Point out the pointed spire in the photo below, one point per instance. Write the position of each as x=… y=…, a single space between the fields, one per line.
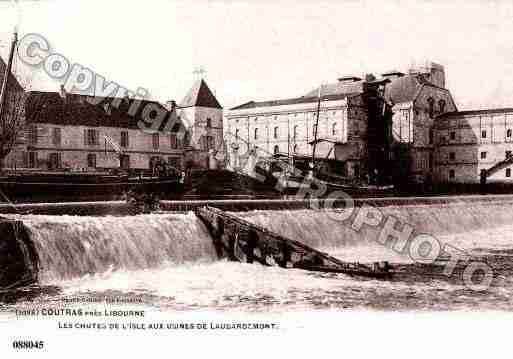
x=200 y=95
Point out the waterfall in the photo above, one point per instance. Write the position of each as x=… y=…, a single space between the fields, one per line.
x=450 y=220
x=74 y=246
x=71 y=246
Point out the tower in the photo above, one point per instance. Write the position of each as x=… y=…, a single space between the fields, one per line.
x=202 y=115
x=433 y=72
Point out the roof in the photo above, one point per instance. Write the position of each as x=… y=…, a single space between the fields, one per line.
x=400 y=89
x=291 y=101
x=200 y=95
x=75 y=109
x=338 y=88
x=476 y=112
x=407 y=88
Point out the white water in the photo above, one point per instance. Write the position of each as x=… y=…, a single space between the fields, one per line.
x=170 y=261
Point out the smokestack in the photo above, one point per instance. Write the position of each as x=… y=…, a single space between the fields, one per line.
x=391 y=75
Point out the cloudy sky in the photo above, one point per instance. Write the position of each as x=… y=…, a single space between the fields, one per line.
x=274 y=49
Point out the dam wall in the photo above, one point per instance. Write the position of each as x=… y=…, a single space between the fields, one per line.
x=101 y=208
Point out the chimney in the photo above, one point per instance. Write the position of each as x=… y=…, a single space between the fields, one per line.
x=392 y=75
x=349 y=79
x=432 y=72
x=370 y=78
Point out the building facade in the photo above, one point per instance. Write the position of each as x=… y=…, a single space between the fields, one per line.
x=66 y=131
x=469 y=142
x=288 y=127
x=415 y=98
x=362 y=138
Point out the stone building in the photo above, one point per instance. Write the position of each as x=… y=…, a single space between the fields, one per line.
x=415 y=98
x=202 y=116
x=355 y=135
x=288 y=127
x=65 y=131
x=468 y=142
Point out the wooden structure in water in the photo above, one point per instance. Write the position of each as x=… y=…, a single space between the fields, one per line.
x=242 y=241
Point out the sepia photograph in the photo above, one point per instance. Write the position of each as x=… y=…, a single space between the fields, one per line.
x=256 y=178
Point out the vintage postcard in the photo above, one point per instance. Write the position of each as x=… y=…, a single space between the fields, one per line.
x=256 y=178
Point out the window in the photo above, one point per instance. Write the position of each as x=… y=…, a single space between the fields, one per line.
x=91 y=137
x=452 y=156
x=276 y=132
x=54 y=161
x=33 y=135
x=508 y=154
x=124 y=139
x=334 y=129
x=508 y=172
x=91 y=160
x=483 y=134
x=276 y=149
x=441 y=105
x=56 y=136
x=453 y=135
x=296 y=148
x=295 y=132
x=155 y=141
x=154 y=160
x=431 y=107
x=508 y=133
x=32 y=162
x=209 y=123
x=209 y=142
x=451 y=174
x=174 y=162
x=237 y=134
x=431 y=135
x=173 y=141
x=125 y=161
x=483 y=155
x=256 y=134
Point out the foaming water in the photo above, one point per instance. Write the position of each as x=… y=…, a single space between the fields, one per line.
x=170 y=261
x=70 y=246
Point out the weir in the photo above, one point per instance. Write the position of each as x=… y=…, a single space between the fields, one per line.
x=100 y=208
x=242 y=241
x=53 y=248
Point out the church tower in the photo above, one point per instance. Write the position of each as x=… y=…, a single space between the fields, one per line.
x=202 y=115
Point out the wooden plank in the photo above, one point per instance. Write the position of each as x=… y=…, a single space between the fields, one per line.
x=244 y=241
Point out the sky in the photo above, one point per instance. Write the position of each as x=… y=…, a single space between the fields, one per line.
x=263 y=50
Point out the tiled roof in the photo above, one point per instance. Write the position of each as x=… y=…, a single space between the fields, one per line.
x=490 y=111
x=74 y=109
x=338 y=88
x=291 y=101
x=200 y=95
x=400 y=89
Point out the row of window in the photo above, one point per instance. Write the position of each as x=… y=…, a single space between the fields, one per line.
x=452 y=173
x=276 y=149
x=308 y=114
x=55 y=160
x=276 y=131
x=484 y=134
x=431 y=104
x=92 y=138
x=483 y=155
